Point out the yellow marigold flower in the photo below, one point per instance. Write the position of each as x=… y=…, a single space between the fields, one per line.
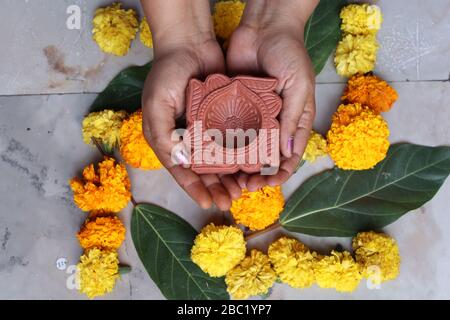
x=316 y=147
x=358 y=138
x=104 y=126
x=98 y=271
x=102 y=232
x=378 y=255
x=227 y=16
x=293 y=262
x=114 y=29
x=339 y=271
x=218 y=249
x=361 y=19
x=104 y=190
x=133 y=146
x=253 y=276
x=258 y=209
x=146 y=35
x=370 y=91
x=356 y=54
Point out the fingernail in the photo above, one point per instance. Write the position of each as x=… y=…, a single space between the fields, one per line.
x=182 y=159
x=290 y=144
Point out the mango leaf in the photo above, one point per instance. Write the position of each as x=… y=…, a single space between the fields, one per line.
x=124 y=92
x=163 y=242
x=322 y=32
x=341 y=203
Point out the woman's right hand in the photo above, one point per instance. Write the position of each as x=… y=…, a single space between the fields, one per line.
x=183 y=49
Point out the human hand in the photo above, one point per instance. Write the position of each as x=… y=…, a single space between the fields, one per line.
x=269 y=41
x=183 y=49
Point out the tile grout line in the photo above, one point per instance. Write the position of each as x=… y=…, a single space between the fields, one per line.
x=96 y=93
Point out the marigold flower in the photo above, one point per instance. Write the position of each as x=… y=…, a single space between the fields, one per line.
x=370 y=91
x=258 y=209
x=356 y=54
x=358 y=137
x=104 y=126
x=227 y=16
x=253 y=276
x=114 y=29
x=146 y=35
x=361 y=19
x=316 y=147
x=218 y=249
x=133 y=146
x=339 y=271
x=378 y=256
x=98 y=271
x=102 y=232
x=293 y=262
x=104 y=190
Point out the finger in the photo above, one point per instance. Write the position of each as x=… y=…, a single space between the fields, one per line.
x=289 y=165
x=241 y=179
x=296 y=96
x=218 y=193
x=193 y=185
x=304 y=129
x=233 y=188
x=287 y=168
x=256 y=182
x=158 y=128
x=293 y=106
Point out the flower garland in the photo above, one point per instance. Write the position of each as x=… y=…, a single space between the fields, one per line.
x=357 y=51
x=220 y=250
x=358 y=137
x=104 y=190
x=357 y=140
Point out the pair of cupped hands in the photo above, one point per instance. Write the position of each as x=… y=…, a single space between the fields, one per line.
x=264 y=44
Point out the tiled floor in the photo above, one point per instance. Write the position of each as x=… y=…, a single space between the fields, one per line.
x=41 y=148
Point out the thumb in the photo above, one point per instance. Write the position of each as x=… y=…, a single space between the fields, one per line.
x=296 y=116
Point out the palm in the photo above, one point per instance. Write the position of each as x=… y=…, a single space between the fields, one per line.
x=164 y=101
x=280 y=55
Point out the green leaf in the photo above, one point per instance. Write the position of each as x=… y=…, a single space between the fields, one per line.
x=342 y=203
x=124 y=92
x=322 y=32
x=163 y=242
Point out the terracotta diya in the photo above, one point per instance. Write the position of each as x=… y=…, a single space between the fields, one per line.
x=225 y=104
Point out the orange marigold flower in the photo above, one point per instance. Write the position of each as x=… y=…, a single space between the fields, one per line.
x=370 y=91
x=258 y=210
x=358 y=137
x=102 y=232
x=106 y=189
x=133 y=146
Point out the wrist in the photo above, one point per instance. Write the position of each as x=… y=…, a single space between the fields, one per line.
x=278 y=15
x=171 y=39
x=178 y=23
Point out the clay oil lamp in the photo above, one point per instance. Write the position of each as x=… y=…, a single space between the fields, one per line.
x=225 y=104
